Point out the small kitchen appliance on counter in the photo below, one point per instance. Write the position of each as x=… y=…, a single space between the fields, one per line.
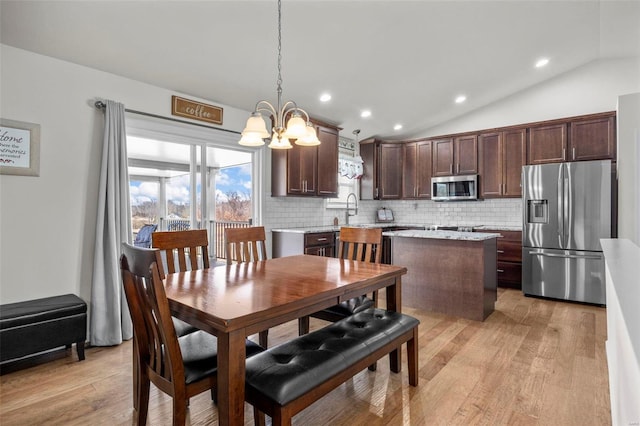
x=384 y=215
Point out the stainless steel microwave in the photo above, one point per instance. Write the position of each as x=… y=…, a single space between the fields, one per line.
x=454 y=188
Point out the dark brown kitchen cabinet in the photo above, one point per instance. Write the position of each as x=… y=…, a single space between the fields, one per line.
x=382 y=170
x=307 y=170
x=416 y=179
x=327 y=161
x=442 y=157
x=466 y=155
x=582 y=138
x=593 y=139
x=508 y=258
x=501 y=157
x=455 y=156
x=291 y=243
x=320 y=244
x=547 y=144
x=302 y=172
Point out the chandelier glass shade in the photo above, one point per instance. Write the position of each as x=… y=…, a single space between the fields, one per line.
x=298 y=125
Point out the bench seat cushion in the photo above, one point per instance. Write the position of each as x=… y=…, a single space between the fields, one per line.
x=38 y=310
x=286 y=372
x=33 y=326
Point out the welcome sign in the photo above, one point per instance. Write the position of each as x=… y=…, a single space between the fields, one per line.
x=19 y=148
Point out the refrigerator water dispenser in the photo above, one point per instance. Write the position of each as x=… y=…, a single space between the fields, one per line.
x=538 y=211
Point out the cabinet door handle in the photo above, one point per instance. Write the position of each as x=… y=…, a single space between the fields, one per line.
x=564 y=153
x=322 y=239
x=573 y=152
x=500 y=270
x=499 y=251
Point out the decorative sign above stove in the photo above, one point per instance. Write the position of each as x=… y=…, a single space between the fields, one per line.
x=196 y=110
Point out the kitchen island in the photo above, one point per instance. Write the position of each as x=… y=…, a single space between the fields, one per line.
x=450 y=272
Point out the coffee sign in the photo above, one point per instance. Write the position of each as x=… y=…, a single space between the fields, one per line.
x=196 y=110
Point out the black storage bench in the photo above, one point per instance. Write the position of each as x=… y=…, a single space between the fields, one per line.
x=285 y=379
x=33 y=326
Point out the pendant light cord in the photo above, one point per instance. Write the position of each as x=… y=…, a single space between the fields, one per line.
x=279 y=82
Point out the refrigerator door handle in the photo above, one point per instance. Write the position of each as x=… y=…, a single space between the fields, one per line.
x=561 y=205
x=568 y=256
x=567 y=210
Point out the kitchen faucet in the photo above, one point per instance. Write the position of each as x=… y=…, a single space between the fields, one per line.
x=355 y=202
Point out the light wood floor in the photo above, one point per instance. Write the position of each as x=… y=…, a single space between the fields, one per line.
x=532 y=362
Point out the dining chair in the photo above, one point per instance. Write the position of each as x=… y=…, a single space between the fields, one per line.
x=186 y=247
x=189 y=247
x=247 y=245
x=363 y=244
x=179 y=366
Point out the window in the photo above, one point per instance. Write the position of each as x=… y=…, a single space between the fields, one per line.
x=188 y=177
x=347 y=156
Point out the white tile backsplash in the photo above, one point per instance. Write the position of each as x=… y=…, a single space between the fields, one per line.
x=295 y=212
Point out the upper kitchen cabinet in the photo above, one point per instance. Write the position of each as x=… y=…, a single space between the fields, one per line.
x=582 y=138
x=593 y=138
x=502 y=155
x=547 y=143
x=382 y=170
x=455 y=156
x=416 y=179
x=307 y=170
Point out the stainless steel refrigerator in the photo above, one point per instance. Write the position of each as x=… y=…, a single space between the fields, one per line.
x=567 y=209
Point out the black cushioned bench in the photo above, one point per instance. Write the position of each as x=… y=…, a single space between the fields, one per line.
x=285 y=379
x=33 y=326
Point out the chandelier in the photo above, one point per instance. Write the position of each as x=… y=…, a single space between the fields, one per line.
x=297 y=127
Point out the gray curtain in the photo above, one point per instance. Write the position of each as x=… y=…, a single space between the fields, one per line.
x=110 y=322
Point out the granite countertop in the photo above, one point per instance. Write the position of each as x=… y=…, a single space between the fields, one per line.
x=442 y=235
x=336 y=228
x=500 y=228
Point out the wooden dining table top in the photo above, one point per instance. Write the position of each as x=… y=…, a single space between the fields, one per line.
x=236 y=296
x=239 y=300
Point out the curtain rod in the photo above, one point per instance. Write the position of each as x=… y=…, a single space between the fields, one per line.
x=101 y=105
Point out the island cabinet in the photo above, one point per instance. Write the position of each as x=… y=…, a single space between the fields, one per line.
x=307 y=170
x=582 y=138
x=455 y=156
x=501 y=157
x=508 y=258
x=453 y=275
x=416 y=177
x=382 y=170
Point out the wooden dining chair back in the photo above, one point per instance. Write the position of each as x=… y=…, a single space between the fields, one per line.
x=189 y=248
x=245 y=244
x=362 y=244
x=159 y=356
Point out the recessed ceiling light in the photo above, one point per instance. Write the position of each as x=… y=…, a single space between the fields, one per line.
x=397 y=127
x=460 y=99
x=366 y=113
x=542 y=62
x=325 y=97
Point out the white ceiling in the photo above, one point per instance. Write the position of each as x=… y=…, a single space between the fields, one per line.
x=406 y=61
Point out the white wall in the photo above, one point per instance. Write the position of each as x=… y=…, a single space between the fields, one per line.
x=629 y=167
x=47 y=223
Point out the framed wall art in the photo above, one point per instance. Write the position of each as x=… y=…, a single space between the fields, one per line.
x=19 y=148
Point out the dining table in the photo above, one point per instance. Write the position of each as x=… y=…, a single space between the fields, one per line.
x=235 y=301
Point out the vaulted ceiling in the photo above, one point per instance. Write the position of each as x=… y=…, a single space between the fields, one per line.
x=405 y=61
